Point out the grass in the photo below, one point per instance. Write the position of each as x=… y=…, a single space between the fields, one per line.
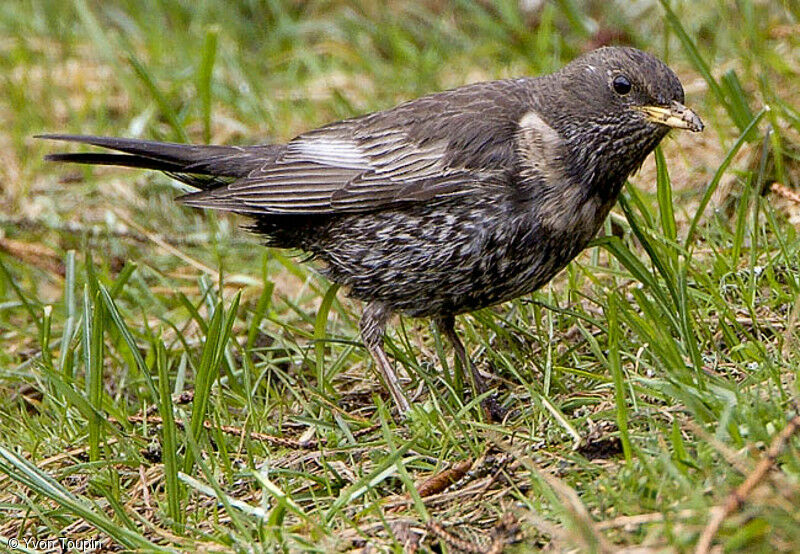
x=647 y=382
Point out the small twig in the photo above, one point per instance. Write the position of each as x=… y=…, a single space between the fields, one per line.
x=436 y=529
x=576 y=510
x=255 y=435
x=454 y=482
x=790 y=342
x=739 y=496
x=166 y=247
x=145 y=489
x=496 y=467
x=34 y=254
x=731 y=456
x=504 y=533
x=406 y=536
x=59 y=457
x=439 y=482
x=785 y=192
x=626 y=522
x=101 y=229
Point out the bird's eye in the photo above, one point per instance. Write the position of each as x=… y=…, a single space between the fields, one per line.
x=622 y=85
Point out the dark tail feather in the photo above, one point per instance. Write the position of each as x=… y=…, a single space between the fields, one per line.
x=163 y=151
x=200 y=166
x=124 y=160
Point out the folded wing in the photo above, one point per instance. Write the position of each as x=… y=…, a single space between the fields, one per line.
x=445 y=144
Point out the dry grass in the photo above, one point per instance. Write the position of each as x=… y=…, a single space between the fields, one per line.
x=294 y=459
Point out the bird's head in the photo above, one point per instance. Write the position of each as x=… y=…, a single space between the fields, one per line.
x=613 y=106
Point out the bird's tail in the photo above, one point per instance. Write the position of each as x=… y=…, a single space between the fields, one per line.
x=201 y=166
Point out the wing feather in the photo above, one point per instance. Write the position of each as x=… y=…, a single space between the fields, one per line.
x=442 y=145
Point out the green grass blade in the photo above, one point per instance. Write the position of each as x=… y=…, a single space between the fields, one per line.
x=163 y=104
x=219 y=332
x=204 y=77
x=169 y=439
x=622 y=253
x=696 y=58
x=127 y=336
x=739 y=108
x=94 y=375
x=44 y=336
x=320 y=333
x=70 y=313
x=660 y=257
x=382 y=470
x=206 y=370
x=261 y=309
x=664 y=193
x=122 y=278
x=29 y=307
x=615 y=365
x=27 y=474
x=712 y=186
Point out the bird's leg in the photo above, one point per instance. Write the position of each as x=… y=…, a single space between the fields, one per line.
x=373 y=327
x=447 y=327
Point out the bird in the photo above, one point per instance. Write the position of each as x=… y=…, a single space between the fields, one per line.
x=444 y=204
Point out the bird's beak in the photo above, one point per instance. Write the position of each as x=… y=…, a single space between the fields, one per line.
x=676 y=115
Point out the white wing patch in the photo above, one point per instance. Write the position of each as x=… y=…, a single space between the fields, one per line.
x=327 y=171
x=562 y=207
x=327 y=151
x=532 y=120
x=537 y=144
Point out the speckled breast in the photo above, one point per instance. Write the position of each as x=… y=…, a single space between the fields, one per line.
x=449 y=257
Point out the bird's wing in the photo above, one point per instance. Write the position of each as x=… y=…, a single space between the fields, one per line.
x=442 y=145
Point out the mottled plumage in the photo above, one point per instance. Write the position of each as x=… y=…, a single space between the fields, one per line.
x=448 y=203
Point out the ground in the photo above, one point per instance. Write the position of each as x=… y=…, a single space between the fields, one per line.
x=166 y=383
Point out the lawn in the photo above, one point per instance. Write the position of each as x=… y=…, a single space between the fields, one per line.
x=168 y=384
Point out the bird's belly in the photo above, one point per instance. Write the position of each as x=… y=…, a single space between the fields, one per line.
x=442 y=259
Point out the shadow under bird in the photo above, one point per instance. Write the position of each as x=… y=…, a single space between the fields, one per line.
x=445 y=204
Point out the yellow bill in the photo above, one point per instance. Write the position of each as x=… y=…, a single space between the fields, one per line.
x=676 y=116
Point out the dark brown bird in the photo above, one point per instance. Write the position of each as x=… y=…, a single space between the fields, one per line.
x=445 y=204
